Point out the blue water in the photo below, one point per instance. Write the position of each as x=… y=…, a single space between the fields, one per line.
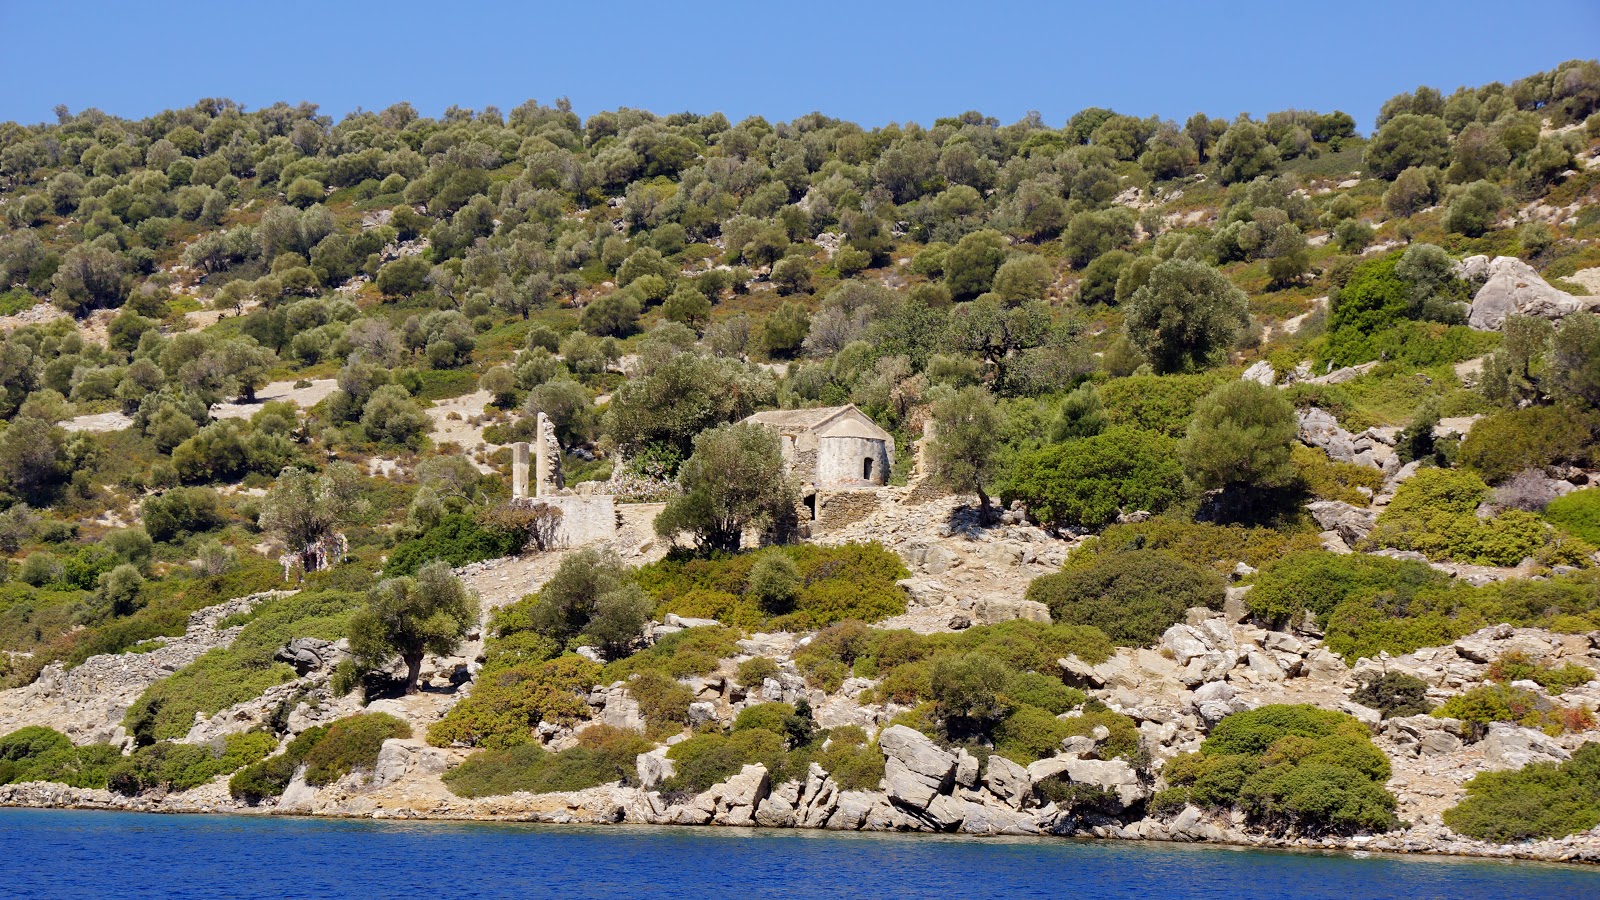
x=50 y=853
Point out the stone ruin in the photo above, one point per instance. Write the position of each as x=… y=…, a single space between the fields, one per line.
x=585 y=518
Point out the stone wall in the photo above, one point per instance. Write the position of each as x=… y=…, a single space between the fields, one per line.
x=839 y=461
x=836 y=509
x=584 y=519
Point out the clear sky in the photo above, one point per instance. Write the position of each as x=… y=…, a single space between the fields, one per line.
x=871 y=62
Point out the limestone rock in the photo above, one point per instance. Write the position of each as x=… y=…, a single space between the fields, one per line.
x=654 y=767
x=1511 y=747
x=1007 y=781
x=1351 y=523
x=1261 y=373
x=1513 y=288
x=915 y=769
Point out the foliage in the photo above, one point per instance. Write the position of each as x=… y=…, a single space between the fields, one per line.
x=1132 y=596
x=1485 y=704
x=1289 y=768
x=1087 y=482
x=590 y=597
x=1507 y=442
x=1577 y=513
x=506 y=703
x=37 y=753
x=223 y=677
x=1435 y=513
x=457 y=540
x=410 y=617
x=963 y=454
x=1185 y=316
x=849 y=581
x=1394 y=694
x=736 y=478
x=1240 y=438
x=171 y=766
x=271 y=776
x=1542 y=800
x=603 y=754
x=351 y=745
x=1515 y=665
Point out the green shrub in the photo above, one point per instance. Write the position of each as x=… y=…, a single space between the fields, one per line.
x=770 y=716
x=458 y=540
x=851 y=581
x=1133 y=597
x=269 y=777
x=1516 y=665
x=1503 y=444
x=1327 y=479
x=37 y=753
x=1394 y=694
x=1028 y=734
x=1159 y=403
x=1202 y=544
x=1287 y=768
x=693 y=651
x=1124 y=740
x=1578 y=513
x=855 y=763
x=603 y=754
x=169 y=766
x=706 y=759
x=1540 y=801
x=1087 y=482
x=351 y=744
x=1320 y=581
x=1489 y=703
x=663 y=701
x=1435 y=514
x=774 y=582
x=753 y=672
x=506 y=704
x=1044 y=691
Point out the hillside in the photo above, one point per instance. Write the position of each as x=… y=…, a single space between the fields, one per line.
x=1203 y=481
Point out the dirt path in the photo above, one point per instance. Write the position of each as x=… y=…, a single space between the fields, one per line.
x=303 y=397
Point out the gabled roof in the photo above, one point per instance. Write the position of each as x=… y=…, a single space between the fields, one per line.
x=844 y=420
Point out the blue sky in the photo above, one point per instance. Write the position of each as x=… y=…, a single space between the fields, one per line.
x=865 y=61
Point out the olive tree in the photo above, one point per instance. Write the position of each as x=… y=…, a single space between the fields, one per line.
x=411 y=617
x=965 y=453
x=1240 y=435
x=735 y=479
x=1185 y=316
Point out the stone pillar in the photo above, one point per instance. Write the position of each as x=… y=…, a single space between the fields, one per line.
x=547 y=459
x=519 y=470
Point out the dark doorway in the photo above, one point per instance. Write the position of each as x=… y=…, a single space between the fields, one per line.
x=866 y=469
x=811 y=506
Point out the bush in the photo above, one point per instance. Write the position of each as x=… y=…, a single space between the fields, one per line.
x=1133 y=597
x=1204 y=544
x=855 y=763
x=1160 y=403
x=506 y=704
x=269 y=777
x=755 y=671
x=37 y=753
x=351 y=745
x=1288 y=768
x=1540 y=801
x=179 y=512
x=1435 y=513
x=458 y=540
x=1028 y=734
x=850 y=581
x=663 y=701
x=1505 y=443
x=1489 y=703
x=1515 y=665
x=1087 y=482
x=706 y=759
x=774 y=582
x=1578 y=513
x=603 y=754
x=1320 y=581
x=1394 y=694
x=225 y=676
x=178 y=767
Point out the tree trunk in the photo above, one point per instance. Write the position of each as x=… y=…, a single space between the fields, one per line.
x=413 y=672
x=985 y=506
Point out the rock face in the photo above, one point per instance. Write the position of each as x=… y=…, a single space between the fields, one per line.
x=1513 y=288
x=1373 y=447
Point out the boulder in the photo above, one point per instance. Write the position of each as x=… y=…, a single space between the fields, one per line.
x=1007 y=781
x=734 y=801
x=654 y=767
x=1351 y=523
x=1511 y=747
x=1318 y=428
x=915 y=769
x=981 y=818
x=1262 y=373
x=852 y=809
x=308 y=654
x=1113 y=775
x=1513 y=288
x=1424 y=735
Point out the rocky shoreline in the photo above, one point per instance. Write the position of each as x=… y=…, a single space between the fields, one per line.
x=623 y=806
